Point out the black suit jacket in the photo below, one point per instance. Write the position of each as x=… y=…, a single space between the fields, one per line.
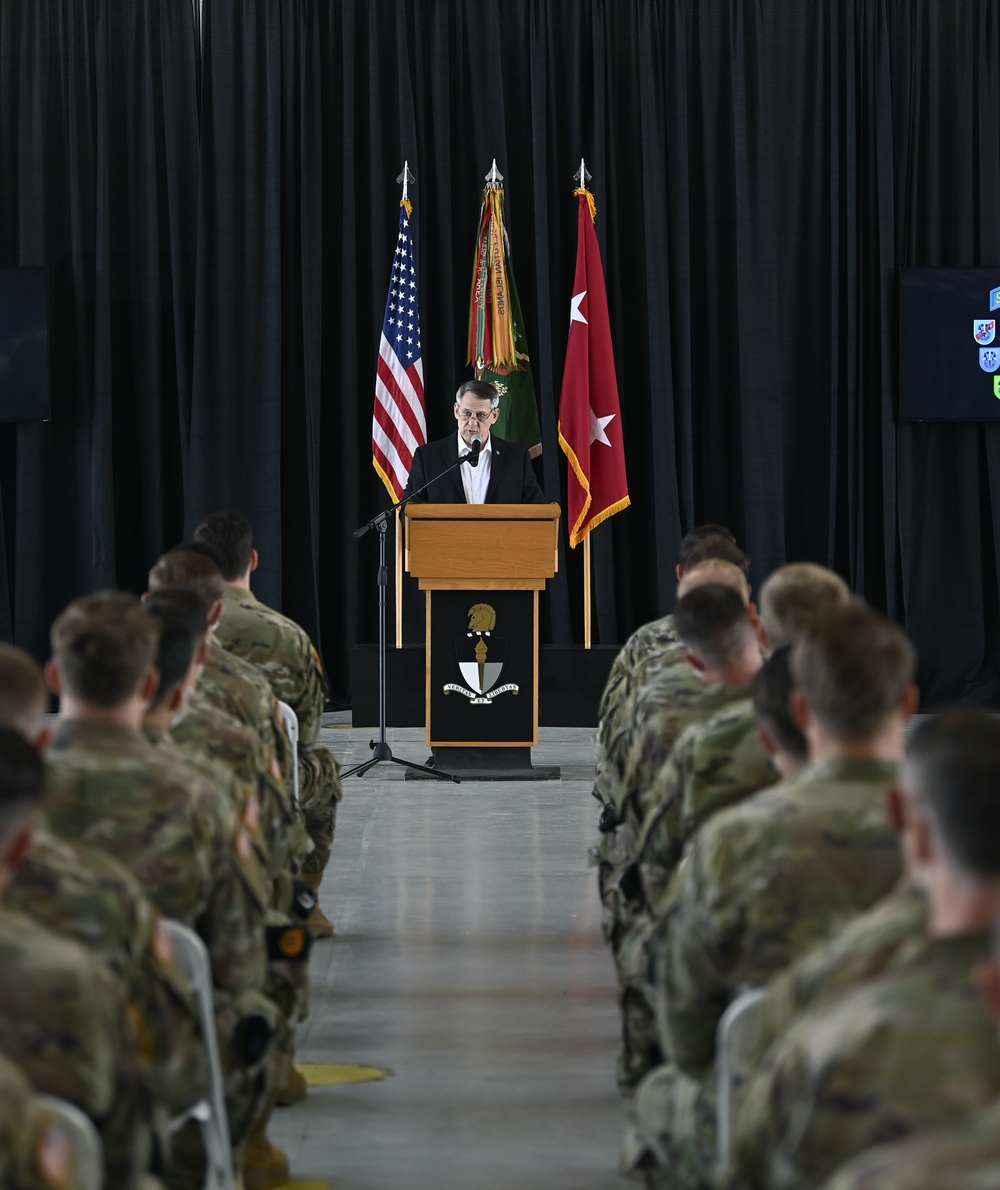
x=512 y=480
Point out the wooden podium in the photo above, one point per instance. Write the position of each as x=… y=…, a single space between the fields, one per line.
x=482 y=566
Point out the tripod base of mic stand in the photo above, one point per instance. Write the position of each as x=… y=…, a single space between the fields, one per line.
x=484 y=763
x=382 y=753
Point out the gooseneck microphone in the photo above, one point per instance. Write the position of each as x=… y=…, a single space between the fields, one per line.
x=474 y=449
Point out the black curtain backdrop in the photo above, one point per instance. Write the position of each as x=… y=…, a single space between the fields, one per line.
x=219 y=218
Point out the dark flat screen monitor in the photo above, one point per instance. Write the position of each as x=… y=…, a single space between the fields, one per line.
x=24 y=345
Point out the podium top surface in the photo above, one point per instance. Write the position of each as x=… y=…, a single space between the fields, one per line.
x=516 y=548
x=482 y=512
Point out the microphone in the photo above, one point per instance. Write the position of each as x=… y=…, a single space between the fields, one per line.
x=474 y=449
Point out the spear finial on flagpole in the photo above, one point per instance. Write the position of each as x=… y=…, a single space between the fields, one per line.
x=494 y=177
x=406 y=177
x=582 y=176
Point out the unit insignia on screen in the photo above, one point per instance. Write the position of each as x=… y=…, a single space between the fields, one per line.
x=985 y=330
x=480 y=656
x=989 y=359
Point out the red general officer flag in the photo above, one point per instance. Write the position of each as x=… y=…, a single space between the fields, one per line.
x=590 y=424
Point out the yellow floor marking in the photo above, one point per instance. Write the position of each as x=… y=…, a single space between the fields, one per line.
x=304 y=1186
x=322 y=1074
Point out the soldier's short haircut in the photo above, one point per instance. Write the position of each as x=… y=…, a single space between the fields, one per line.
x=697 y=535
x=23 y=696
x=853 y=668
x=953 y=761
x=188 y=570
x=714 y=570
x=22 y=780
x=712 y=623
x=230 y=537
x=102 y=645
x=482 y=390
x=771 y=690
x=795 y=597
x=183 y=625
x=716 y=546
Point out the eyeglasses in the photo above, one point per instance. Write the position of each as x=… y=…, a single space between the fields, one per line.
x=482 y=418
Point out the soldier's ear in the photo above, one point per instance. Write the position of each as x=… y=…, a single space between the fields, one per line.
x=215 y=615
x=52 y=677
x=766 y=742
x=148 y=684
x=254 y=559
x=798 y=708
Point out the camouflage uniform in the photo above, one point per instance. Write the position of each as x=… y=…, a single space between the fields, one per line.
x=911 y=1049
x=241 y=690
x=283 y=652
x=760 y=883
x=714 y=764
x=108 y=786
x=208 y=732
x=661 y=710
x=650 y=647
x=83 y=893
x=864 y=948
x=963 y=1157
x=287 y=982
x=33 y=1154
x=63 y=1021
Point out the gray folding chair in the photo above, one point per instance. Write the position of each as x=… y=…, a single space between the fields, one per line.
x=84 y=1140
x=736 y=1033
x=211 y=1112
x=291 y=722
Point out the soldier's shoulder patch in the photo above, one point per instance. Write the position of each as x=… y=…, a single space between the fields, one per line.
x=243 y=845
x=54 y=1155
x=251 y=811
x=162 y=944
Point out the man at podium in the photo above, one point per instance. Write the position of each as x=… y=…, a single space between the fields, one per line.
x=499 y=473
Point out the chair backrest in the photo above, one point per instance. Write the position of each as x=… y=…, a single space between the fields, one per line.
x=291 y=722
x=210 y=1113
x=734 y=1037
x=84 y=1140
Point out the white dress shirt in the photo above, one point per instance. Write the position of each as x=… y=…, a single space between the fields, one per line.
x=476 y=479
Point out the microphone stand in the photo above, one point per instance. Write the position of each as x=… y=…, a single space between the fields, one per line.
x=380 y=747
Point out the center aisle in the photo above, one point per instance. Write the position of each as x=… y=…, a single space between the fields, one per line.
x=468 y=962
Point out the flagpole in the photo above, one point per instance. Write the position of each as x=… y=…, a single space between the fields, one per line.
x=582 y=177
x=586 y=592
x=406 y=178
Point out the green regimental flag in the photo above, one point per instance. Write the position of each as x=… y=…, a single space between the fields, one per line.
x=518 y=420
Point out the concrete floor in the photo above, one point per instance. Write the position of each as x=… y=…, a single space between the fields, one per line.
x=468 y=961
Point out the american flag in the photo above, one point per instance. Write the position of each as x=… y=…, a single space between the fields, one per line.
x=398 y=424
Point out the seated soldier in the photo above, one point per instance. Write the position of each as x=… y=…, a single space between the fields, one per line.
x=724 y=763
x=286 y=656
x=963 y=1156
x=226 y=681
x=652 y=648
x=172 y=830
x=658 y=636
x=675 y=696
x=229 y=719
x=913 y=1047
x=63 y=1017
x=183 y=626
x=716 y=762
x=764 y=879
x=83 y=893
